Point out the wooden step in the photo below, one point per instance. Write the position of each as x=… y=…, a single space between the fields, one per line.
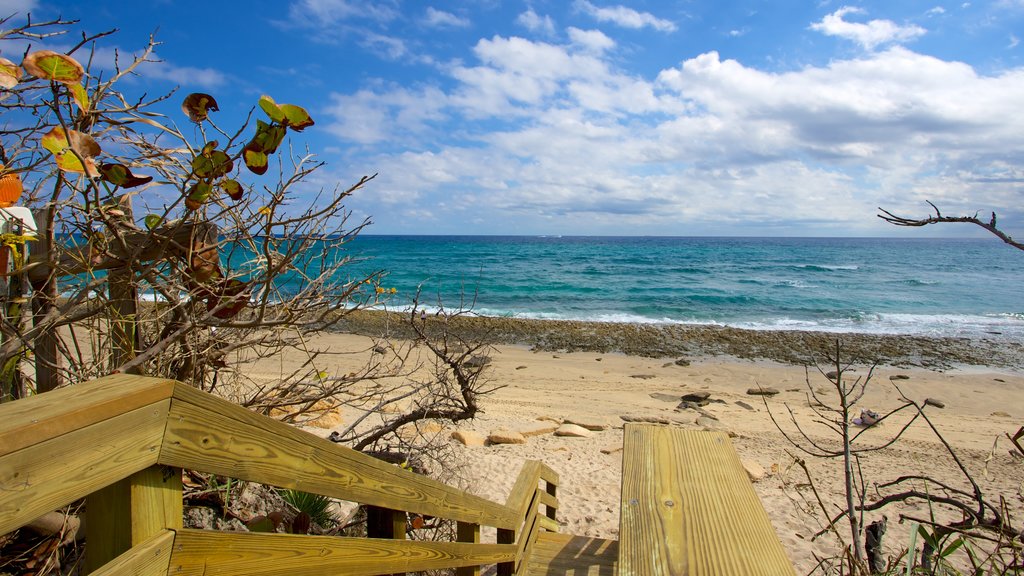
x=562 y=554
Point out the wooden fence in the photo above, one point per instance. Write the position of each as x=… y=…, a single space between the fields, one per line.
x=121 y=441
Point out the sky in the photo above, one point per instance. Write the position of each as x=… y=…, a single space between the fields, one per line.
x=608 y=117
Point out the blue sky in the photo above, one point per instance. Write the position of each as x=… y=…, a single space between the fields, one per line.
x=610 y=117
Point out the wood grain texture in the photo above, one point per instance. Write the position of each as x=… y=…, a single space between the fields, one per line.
x=156 y=501
x=528 y=535
x=208 y=553
x=108 y=529
x=210 y=434
x=44 y=416
x=150 y=558
x=565 y=554
x=56 y=472
x=520 y=498
x=688 y=508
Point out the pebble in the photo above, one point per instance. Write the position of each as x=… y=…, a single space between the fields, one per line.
x=754 y=470
x=468 y=438
x=503 y=436
x=933 y=402
x=762 y=391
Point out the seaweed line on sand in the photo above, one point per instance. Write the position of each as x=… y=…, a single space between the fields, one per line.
x=694 y=341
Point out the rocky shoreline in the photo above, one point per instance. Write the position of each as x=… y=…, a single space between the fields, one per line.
x=694 y=342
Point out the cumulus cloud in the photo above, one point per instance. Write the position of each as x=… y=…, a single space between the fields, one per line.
x=539 y=129
x=869 y=34
x=440 y=19
x=625 y=17
x=591 y=40
x=536 y=23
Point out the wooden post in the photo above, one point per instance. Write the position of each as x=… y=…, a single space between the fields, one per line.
x=12 y=381
x=44 y=299
x=385 y=523
x=506 y=537
x=128 y=512
x=466 y=532
x=124 y=305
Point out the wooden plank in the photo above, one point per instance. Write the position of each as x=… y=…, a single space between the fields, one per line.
x=549 y=501
x=108 y=524
x=689 y=508
x=44 y=300
x=521 y=497
x=528 y=534
x=210 y=434
x=156 y=501
x=548 y=524
x=58 y=471
x=506 y=537
x=561 y=554
x=46 y=416
x=465 y=532
x=549 y=475
x=208 y=553
x=150 y=558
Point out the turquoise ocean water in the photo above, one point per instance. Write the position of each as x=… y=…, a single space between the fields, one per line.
x=937 y=287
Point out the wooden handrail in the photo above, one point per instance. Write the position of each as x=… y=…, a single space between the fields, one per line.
x=119 y=437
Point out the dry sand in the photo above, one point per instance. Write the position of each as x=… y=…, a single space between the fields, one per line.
x=981 y=405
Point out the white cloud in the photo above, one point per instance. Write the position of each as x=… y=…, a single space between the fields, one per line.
x=536 y=23
x=394 y=113
x=556 y=132
x=1014 y=41
x=440 y=19
x=320 y=13
x=591 y=40
x=385 y=47
x=869 y=35
x=187 y=76
x=625 y=17
x=936 y=11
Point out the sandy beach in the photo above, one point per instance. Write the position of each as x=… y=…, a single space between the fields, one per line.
x=542 y=385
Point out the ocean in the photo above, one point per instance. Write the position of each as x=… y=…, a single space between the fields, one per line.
x=932 y=287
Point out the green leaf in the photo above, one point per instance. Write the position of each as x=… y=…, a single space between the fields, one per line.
x=232 y=188
x=268 y=137
x=198 y=194
x=296 y=117
x=952 y=547
x=272 y=109
x=197 y=106
x=153 y=220
x=49 y=65
x=212 y=165
x=120 y=175
x=79 y=94
x=255 y=160
x=10 y=73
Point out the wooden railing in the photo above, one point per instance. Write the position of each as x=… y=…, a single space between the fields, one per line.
x=121 y=442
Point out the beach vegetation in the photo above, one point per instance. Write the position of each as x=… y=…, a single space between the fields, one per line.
x=169 y=243
x=963 y=530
